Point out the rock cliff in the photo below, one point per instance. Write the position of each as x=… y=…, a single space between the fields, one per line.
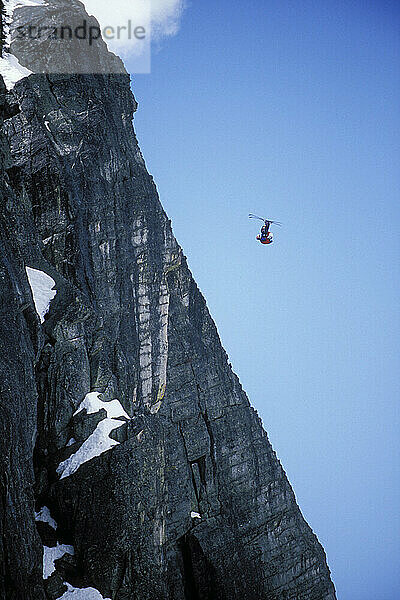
x=122 y=424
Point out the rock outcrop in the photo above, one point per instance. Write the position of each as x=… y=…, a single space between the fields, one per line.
x=122 y=423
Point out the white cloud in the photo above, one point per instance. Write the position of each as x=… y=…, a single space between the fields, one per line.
x=166 y=17
x=160 y=18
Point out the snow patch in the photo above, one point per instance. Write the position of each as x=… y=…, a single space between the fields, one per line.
x=195 y=515
x=52 y=554
x=19 y=3
x=82 y=594
x=97 y=443
x=10 y=67
x=93 y=404
x=12 y=70
x=45 y=517
x=42 y=290
x=71 y=442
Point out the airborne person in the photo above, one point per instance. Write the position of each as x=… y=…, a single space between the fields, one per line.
x=265 y=237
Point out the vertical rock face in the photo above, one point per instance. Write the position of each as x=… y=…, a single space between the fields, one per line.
x=20 y=547
x=153 y=464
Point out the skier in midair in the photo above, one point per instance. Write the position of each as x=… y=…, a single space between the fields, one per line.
x=265 y=236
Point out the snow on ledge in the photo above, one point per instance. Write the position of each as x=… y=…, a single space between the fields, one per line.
x=195 y=515
x=99 y=441
x=93 y=404
x=10 y=67
x=12 y=70
x=82 y=594
x=45 y=517
x=42 y=290
x=52 y=554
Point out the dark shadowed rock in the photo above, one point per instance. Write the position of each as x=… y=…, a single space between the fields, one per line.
x=20 y=548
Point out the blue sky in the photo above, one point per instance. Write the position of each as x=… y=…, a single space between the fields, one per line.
x=289 y=110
